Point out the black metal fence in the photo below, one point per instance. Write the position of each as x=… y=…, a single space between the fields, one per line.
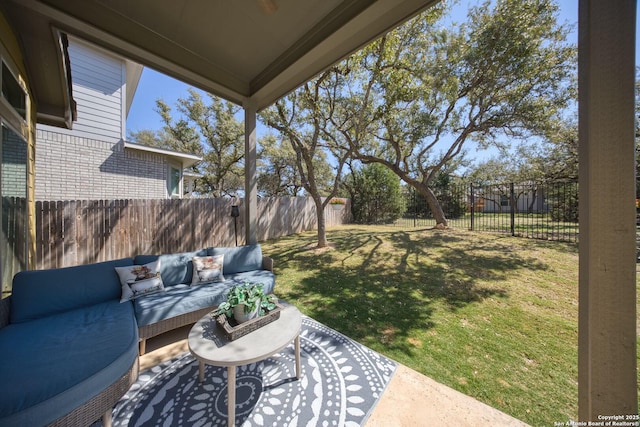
x=546 y=211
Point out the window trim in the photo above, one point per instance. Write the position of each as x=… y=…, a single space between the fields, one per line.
x=8 y=114
x=170 y=167
x=25 y=248
x=3 y=65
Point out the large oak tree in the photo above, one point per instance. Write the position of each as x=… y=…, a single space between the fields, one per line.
x=298 y=119
x=415 y=99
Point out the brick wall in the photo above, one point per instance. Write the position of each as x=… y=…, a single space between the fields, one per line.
x=72 y=168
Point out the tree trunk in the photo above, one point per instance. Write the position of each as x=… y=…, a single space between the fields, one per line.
x=322 y=229
x=533 y=200
x=434 y=205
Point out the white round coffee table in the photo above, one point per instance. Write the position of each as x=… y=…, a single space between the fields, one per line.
x=208 y=344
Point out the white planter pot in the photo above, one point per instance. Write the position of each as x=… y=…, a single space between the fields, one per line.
x=241 y=316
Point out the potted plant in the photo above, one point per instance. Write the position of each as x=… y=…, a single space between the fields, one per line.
x=337 y=204
x=246 y=302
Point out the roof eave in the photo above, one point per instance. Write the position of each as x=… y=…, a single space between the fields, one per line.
x=47 y=65
x=310 y=57
x=184 y=159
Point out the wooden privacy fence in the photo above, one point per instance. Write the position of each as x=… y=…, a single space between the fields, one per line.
x=83 y=231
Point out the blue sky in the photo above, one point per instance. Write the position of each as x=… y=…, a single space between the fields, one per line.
x=154 y=85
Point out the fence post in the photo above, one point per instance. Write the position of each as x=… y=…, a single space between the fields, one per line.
x=415 y=208
x=512 y=208
x=473 y=206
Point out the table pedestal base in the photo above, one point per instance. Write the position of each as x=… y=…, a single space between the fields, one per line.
x=231 y=382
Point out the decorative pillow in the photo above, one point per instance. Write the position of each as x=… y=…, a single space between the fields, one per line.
x=207 y=269
x=140 y=280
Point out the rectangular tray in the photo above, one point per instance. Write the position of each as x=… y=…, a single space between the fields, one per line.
x=232 y=330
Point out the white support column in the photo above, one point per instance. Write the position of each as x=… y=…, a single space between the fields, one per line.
x=250 y=183
x=607 y=309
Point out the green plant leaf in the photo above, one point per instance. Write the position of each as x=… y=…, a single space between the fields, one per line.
x=251 y=295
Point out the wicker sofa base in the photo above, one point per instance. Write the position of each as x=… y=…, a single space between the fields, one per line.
x=5 y=309
x=102 y=404
x=150 y=331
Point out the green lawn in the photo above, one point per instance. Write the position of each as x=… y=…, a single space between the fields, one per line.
x=539 y=226
x=492 y=316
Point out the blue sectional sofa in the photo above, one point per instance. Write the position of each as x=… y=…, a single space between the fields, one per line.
x=183 y=304
x=69 y=345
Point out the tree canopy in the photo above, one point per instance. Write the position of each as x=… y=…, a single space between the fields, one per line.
x=206 y=129
x=278 y=173
x=417 y=97
x=376 y=194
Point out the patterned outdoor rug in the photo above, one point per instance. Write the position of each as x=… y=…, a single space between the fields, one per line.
x=341 y=383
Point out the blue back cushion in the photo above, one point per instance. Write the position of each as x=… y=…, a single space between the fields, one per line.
x=174 y=268
x=239 y=259
x=40 y=293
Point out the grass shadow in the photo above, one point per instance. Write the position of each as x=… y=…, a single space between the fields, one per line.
x=379 y=286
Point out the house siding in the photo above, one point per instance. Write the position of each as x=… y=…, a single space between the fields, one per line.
x=90 y=161
x=70 y=167
x=98 y=89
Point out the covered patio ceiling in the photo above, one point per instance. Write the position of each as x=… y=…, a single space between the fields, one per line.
x=241 y=50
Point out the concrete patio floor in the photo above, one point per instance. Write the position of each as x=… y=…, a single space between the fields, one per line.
x=411 y=399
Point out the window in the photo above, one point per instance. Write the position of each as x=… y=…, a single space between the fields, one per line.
x=174 y=181
x=504 y=200
x=13 y=184
x=13 y=92
x=14 y=222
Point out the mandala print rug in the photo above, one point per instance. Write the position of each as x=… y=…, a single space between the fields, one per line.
x=341 y=383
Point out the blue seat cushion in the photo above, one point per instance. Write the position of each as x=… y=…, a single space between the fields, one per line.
x=265 y=277
x=182 y=298
x=39 y=293
x=51 y=366
x=174 y=268
x=239 y=259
